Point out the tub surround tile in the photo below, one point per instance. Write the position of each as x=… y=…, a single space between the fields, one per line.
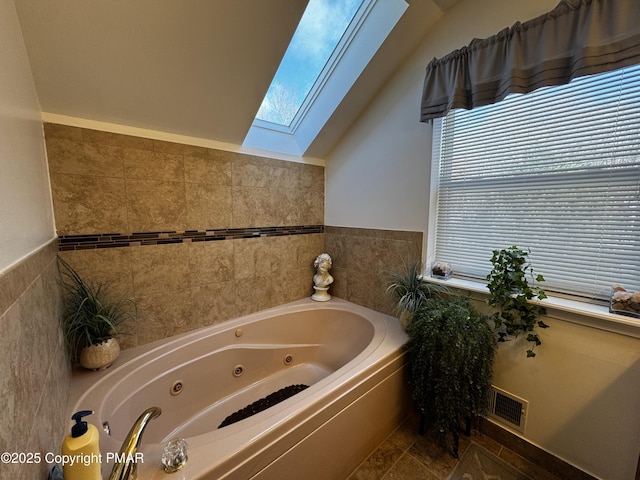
x=206 y=281
x=155 y=205
x=365 y=257
x=361 y=288
x=111 y=266
x=14 y=419
x=185 y=221
x=306 y=254
x=251 y=259
x=312 y=179
x=299 y=285
x=182 y=195
x=250 y=171
x=211 y=262
x=39 y=330
x=53 y=404
x=340 y=285
x=160 y=269
x=208 y=204
x=85 y=204
x=53 y=130
x=215 y=302
x=290 y=253
x=376 y=255
x=338 y=244
x=76 y=158
x=165 y=185
x=254 y=294
x=285 y=207
x=36 y=375
x=284 y=175
x=312 y=207
x=165 y=315
x=215 y=169
x=251 y=206
x=149 y=165
x=129 y=331
x=18 y=278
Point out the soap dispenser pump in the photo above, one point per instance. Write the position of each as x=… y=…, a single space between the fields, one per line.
x=81 y=450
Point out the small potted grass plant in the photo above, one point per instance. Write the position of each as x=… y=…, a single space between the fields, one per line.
x=91 y=320
x=410 y=291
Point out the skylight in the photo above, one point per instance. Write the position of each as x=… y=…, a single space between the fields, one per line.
x=334 y=42
x=322 y=26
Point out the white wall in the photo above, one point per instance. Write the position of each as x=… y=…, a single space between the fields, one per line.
x=583 y=389
x=584 y=386
x=26 y=213
x=379 y=169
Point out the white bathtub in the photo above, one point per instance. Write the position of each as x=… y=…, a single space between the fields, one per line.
x=351 y=358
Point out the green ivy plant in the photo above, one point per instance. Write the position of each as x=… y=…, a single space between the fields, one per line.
x=512 y=295
x=450 y=362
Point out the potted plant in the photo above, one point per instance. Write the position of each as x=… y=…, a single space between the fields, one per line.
x=409 y=291
x=450 y=363
x=91 y=320
x=513 y=296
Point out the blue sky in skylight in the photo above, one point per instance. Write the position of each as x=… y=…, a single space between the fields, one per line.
x=320 y=29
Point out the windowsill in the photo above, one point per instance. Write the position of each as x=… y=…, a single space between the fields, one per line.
x=574 y=311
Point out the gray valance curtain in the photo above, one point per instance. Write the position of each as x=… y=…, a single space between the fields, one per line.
x=578 y=37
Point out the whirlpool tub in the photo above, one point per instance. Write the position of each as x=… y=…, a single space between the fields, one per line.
x=348 y=358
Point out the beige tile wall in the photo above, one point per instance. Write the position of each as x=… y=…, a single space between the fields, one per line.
x=104 y=182
x=362 y=260
x=110 y=183
x=181 y=287
x=35 y=374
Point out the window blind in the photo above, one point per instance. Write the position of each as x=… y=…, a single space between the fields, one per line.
x=556 y=171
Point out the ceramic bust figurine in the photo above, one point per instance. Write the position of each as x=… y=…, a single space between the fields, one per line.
x=322 y=279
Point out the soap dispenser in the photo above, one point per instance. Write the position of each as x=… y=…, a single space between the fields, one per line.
x=81 y=450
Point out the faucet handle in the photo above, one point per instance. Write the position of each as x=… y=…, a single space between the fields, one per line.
x=174 y=455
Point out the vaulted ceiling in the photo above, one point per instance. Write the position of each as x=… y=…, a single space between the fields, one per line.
x=198 y=68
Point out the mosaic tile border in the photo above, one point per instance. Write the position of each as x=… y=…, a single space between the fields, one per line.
x=118 y=240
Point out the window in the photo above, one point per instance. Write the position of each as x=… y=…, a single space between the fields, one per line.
x=556 y=171
x=303 y=110
x=323 y=24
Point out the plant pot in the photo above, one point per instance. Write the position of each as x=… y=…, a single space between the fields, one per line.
x=101 y=355
x=405 y=318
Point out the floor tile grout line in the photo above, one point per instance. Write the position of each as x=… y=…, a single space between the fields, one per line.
x=394 y=464
x=405 y=451
x=427 y=467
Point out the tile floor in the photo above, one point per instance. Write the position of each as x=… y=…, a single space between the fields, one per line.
x=405 y=455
